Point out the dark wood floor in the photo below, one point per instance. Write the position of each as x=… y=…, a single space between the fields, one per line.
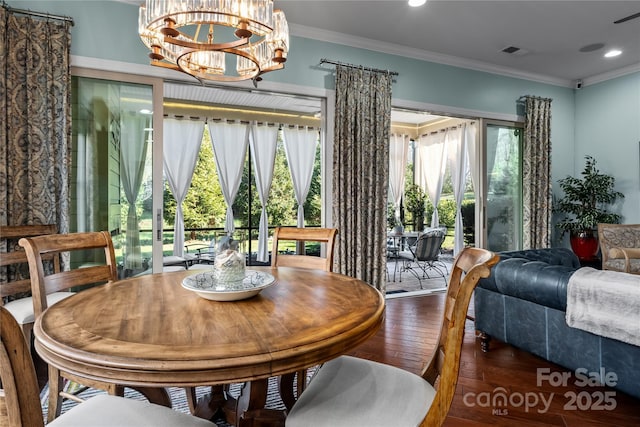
x=408 y=338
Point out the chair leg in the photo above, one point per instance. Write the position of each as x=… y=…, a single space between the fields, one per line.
x=430 y=266
x=26 y=331
x=285 y=386
x=408 y=267
x=192 y=400
x=157 y=395
x=55 y=388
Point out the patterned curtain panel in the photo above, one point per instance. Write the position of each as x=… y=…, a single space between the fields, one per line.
x=35 y=130
x=536 y=173
x=361 y=173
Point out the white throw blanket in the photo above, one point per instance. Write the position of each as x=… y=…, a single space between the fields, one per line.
x=605 y=303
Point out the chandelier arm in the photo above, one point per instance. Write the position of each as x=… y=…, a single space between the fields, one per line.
x=205 y=46
x=225 y=78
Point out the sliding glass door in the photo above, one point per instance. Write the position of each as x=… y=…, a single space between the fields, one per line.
x=112 y=168
x=503 y=185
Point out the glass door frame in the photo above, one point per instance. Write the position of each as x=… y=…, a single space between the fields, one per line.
x=482 y=193
x=157 y=85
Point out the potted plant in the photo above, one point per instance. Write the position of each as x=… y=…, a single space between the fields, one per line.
x=393 y=223
x=415 y=200
x=585 y=204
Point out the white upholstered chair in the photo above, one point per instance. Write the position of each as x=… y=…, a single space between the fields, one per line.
x=20 y=400
x=325 y=236
x=301 y=235
x=17 y=286
x=97 y=246
x=349 y=391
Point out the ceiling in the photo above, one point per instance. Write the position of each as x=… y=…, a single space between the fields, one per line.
x=469 y=34
x=472 y=34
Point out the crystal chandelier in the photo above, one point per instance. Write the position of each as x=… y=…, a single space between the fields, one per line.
x=180 y=35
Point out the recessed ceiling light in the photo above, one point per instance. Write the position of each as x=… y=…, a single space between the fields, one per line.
x=416 y=3
x=612 y=53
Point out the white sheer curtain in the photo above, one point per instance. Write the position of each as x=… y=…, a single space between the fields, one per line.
x=431 y=156
x=398 y=152
x=470 y=133
x=133 y=152
x=263 y=140
x=229 y=141
x=300 y=146
x=457 y=154
x=182 y=139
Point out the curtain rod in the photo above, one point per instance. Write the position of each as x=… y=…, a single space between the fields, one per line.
x=377 y=70
x=38 y=14
x=523 y=97
x=221 y=119
x=446 y=129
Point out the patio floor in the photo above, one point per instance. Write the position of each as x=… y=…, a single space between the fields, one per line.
x=407 y=284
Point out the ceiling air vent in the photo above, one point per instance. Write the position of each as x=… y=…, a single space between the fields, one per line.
x=514 y=50
x=510 y=49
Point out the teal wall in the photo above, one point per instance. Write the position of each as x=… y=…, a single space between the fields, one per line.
x=580 y=125
x=608 y=128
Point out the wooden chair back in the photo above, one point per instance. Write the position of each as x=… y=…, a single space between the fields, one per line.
x=470 y=266
x=320 y=235
x=39 y=247
x=19 y=396
x=15 y=259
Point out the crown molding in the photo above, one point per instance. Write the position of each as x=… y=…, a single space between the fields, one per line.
x=456 y=112
x=635 y=68
x=394 y=49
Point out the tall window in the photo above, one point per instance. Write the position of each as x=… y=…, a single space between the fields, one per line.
x=204 y=207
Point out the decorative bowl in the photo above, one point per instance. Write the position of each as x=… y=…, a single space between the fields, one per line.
x=206 y=285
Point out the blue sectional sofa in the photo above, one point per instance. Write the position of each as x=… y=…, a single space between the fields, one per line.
x=523 y=303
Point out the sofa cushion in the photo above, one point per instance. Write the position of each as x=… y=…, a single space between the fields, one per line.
x=534 y=281
x=551 y=256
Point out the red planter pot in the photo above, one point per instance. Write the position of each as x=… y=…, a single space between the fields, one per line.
x=584 y=244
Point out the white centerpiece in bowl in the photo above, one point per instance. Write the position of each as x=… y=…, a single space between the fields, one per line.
x=229 y=267
x=228 y=280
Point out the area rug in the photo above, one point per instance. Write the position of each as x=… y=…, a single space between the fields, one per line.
x=178 y=398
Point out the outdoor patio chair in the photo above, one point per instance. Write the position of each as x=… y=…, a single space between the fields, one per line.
x=422 y=260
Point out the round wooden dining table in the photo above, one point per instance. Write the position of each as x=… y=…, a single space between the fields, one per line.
x=149 y=331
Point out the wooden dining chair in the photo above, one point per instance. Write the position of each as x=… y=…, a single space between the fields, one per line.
x=349 y=391
x=20 y=399
x=98 y=247
x=301 y=235
x=15 y=286
x=325 y=236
